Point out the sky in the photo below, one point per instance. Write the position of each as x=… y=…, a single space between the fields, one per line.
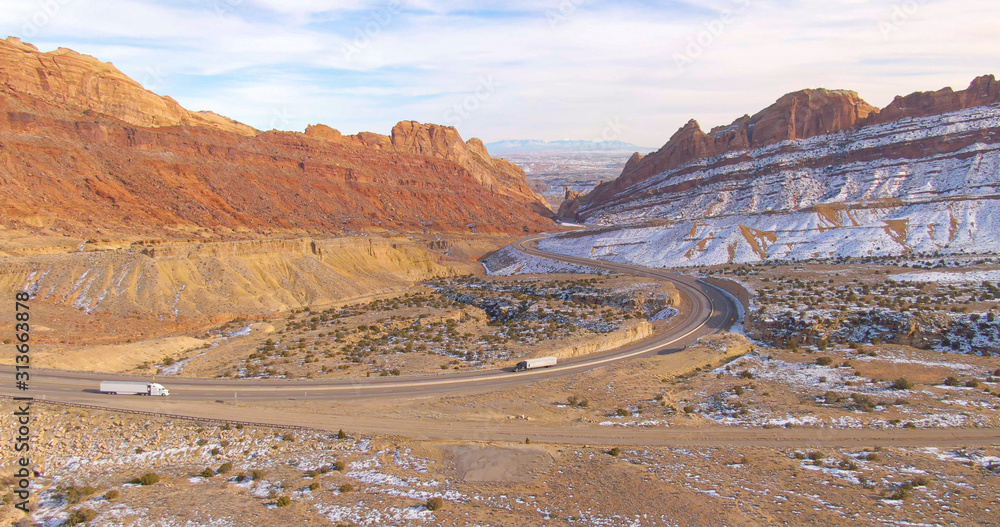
x=630 y=70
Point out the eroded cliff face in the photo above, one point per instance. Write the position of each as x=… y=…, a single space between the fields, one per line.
x=794 y=117
x=86 y=151
x=799 y=115
x=444 y=142
x=806 y=179
x=83 y=83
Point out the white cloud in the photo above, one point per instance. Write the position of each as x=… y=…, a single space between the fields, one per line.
x=564 y=78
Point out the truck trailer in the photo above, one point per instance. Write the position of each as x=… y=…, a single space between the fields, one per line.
x=540 y=362
x=133 y=388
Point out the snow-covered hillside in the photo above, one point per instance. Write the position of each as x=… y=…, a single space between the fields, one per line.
x=916 y=186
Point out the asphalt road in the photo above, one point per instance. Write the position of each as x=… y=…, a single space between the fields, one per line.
x=707 y=310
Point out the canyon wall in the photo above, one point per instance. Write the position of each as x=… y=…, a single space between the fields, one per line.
x=86 y=151
x=830 y=179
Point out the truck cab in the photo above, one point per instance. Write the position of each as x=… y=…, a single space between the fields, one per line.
x=156 y=388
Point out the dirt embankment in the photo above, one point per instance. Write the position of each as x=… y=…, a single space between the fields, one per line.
x=101 y=304
x=217 y=280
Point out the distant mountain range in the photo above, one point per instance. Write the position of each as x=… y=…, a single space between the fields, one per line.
x=521 y=145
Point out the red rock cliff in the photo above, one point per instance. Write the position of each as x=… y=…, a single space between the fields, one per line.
x=798 y=115
x=84 y=149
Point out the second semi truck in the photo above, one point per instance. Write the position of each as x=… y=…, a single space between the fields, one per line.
x=133 y=388
x=540 y=362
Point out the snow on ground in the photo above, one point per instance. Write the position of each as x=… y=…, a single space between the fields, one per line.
x=963 y=455
x=664 y=314
x=799 y=206
x=948 y=278
x=510 y=261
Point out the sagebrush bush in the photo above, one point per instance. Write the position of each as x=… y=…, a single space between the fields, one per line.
x=902 y=383
x=81 y=516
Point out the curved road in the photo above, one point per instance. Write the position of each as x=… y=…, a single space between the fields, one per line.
x=707 y=310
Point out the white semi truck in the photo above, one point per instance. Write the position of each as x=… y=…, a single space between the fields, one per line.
x=540 y=362
x=133 y=388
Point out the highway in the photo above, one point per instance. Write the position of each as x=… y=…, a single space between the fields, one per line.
x=706 y=310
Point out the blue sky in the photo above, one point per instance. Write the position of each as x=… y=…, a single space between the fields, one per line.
x=522 y=69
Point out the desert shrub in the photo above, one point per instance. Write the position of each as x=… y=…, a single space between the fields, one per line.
x=824 y=361
x=314 y=486
x=339 y=466
x=257 y=474
x=621 y=412
x=341 y=434
x=149 y=478
x=863 y=402
x=435 y=503
x=207 y=473
x=902 y=383
x=346 y=487
x=224 y=468
x=75 y=494
x=900 y=493
x=815 y=456
x=283 y=501
x=847 y=464
x=81 y=516
x=615 y=452
x=112 y=495
x=689 y=409
x=216 y=451
x=952 y=381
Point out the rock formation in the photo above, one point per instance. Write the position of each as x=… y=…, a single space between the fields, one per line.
x=798 y=115
x=819 y=174
x=86 y=150
x=794 y=117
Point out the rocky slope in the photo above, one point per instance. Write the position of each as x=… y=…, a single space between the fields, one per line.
x=85 y=150
x=84 y=83
x=819 y=174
